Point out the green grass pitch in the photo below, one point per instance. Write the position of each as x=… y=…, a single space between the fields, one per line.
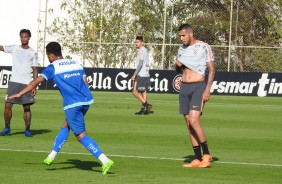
x=244 y=136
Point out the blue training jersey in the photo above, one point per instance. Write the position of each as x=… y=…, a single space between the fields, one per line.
x=68 y=76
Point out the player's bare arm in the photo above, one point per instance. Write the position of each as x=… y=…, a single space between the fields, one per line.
x=85 y=80
x=211 y=68
x=34 y=75
x=133 y=77
x=28 y=88
x=178 y=63
x=1 y=48
x=178 y=66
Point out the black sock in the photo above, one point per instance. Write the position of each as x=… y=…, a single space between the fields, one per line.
x=7 y=125
x=27 y=127
x=197 y=151
x=205 y=148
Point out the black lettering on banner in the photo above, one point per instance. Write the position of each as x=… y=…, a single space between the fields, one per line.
x=5 y=79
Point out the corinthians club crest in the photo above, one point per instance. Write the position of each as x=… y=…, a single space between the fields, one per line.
x=176 y=82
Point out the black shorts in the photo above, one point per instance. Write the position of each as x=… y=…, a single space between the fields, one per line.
x=190 y=97
x=143 y=83
x=14 y=88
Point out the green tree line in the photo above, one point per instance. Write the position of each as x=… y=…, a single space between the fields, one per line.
x=103 y=32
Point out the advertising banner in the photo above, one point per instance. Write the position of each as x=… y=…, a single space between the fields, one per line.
x=168 y=81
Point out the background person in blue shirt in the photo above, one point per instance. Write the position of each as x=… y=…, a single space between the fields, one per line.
x=70 y=78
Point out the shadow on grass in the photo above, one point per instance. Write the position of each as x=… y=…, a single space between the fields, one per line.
x=151 y=112
x=83 y=165
x=34 y=132
x=189 y=158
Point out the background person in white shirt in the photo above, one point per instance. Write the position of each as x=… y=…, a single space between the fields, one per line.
x=25 y=61
x=141 y=77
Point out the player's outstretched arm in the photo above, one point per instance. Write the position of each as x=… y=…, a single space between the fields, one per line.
x=1 y=48
x=28 y=88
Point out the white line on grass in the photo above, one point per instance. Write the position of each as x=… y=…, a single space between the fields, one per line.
x=144 y=157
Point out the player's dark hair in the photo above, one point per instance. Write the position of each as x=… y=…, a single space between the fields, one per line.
x=25 y=31
x=187 y=27
x=54 y=48
x=139 y=38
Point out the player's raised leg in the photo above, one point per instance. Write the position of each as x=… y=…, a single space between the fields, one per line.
x=94 y=149
x=76 y=122
x=60 y=139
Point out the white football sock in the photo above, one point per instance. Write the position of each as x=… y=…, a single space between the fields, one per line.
x=103 y=158
x=52 y=155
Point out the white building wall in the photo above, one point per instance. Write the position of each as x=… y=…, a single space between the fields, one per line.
x=14 y=16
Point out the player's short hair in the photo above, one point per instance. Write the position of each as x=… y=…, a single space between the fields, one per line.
x=54 y=48
x=139 y=38
x=25 y=31
x=187 y=27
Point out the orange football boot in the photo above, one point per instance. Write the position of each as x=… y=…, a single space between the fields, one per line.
x=194 y=163
x=206 y=161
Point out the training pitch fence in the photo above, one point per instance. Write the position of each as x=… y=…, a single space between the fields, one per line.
x=245 y=35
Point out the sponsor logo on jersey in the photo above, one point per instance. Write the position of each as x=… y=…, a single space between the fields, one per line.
x=71 y=75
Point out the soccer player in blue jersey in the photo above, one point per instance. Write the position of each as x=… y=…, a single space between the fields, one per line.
x=141 y=77
x=194 y=57
x=70 y=78
x=25 y=61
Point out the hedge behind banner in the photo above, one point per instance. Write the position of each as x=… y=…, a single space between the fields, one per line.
x=168 y=81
